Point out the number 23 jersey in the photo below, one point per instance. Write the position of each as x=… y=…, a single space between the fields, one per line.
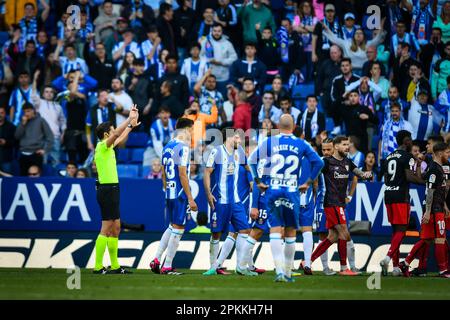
x=175 y=154
x=397 y=185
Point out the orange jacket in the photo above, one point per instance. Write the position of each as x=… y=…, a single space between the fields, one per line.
x=15 y=11
x=201 y=120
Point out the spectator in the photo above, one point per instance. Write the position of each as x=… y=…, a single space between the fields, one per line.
x=42 y=45
x=422 y=21
x=422 y=117
x=71 y=169
x=116 y=36
x=226 y=16
x=393 y=97
x=355 y=49
x=14 y=46
x=327 y=72
x=19 y=96
x=356 y=156
x=126 y=67
x=396 y=122
x=157 y=70
x=194 y=68
x=151 y=47
x=220 y=54
x=29 y=61
x=402 y=64
x=365 y=86
x=312 y=121
x=31 y=23
x=121 y=48
x=356 y=118
x=70 y=61
x=185 y=19
x=201 y=120
x=371 y=54
x=180 y=85
x=206 y=90
x=14 y=11
x=287 y=108
x=105 y=23
x=417 y=83
x=203 y=28
x=7 y=142
x=242 y=116
x=338 y=86
x=440 y=73
x=443 y=106
x=53 y=113
x=52 y=69
x=268 y=52
x=139 y=87
x=82 y=173
x=103 y=111
x=121 y=100
x=100 y=66
x=140 y=15
x=278 y=89
x=370 y=165
x=268 y=109
x=250 y=67
x=168 y=99
x=416 y=152
x=194 y=171
x=292 y=55
x=252 y=14
x=35 y=139
x=432 y=52
x=380 y=81
x=34 y=171
x=401 y=36
x=320 y=42
x=156 y=172
x=349 y=28
x=168 y=29
x=248 y=86
x=161 y=132
x=443 y=22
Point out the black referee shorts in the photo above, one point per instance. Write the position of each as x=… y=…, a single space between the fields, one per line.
x=108 y=198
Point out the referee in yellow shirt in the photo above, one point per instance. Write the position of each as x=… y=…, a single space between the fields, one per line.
x=108 y=194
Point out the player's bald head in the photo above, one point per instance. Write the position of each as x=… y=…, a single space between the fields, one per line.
x=286 y=122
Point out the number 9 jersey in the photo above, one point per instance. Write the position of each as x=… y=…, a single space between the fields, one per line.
x=175 y=154
x=394 y=168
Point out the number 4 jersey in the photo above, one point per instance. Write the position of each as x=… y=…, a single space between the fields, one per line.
x=175 y=154
x=397 y=185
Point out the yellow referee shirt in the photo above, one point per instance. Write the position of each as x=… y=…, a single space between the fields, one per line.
x=105 y=160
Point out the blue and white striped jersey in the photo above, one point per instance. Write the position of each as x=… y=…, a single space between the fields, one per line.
x=16 y=100
x=133 y=47
x=281 y=159
x=423 y=119
x=69 y=65
x=175 y=154
x=146 y=48
x=226 y=173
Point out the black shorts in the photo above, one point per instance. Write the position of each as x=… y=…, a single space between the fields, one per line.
x=108 y=198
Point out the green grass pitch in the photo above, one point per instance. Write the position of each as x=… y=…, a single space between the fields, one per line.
x=142 y=284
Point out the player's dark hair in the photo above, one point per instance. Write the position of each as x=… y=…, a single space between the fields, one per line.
x=202 y=218
x=327 y=140
x=441 y=146
x=346 y=60
x=436 y=139
x=224 y=132
x=183 y=123
x=103 y=128
x=339 y=139
x=401 y=136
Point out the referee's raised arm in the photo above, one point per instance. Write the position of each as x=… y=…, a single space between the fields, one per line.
x=129 y=124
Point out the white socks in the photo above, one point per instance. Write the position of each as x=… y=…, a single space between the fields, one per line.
x=241 y=240
x=276 y=245
x=289 y=254
x=351 y=254
x=324 y=257
x=250 y=245
x=172 y=247
x=163 y=243
x=227 y=246
x=213 y=251
x=307 y=247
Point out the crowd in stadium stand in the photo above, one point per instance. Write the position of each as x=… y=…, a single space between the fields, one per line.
x=335 y=66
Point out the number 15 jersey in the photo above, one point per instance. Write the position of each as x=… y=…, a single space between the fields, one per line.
x=397 y=185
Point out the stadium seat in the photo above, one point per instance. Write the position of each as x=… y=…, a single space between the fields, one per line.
x=123 y=155
x=128 y=170
x=302 y=91
x=137 y=140
x=329 y=124
x=145 y=171
x=137 y=155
